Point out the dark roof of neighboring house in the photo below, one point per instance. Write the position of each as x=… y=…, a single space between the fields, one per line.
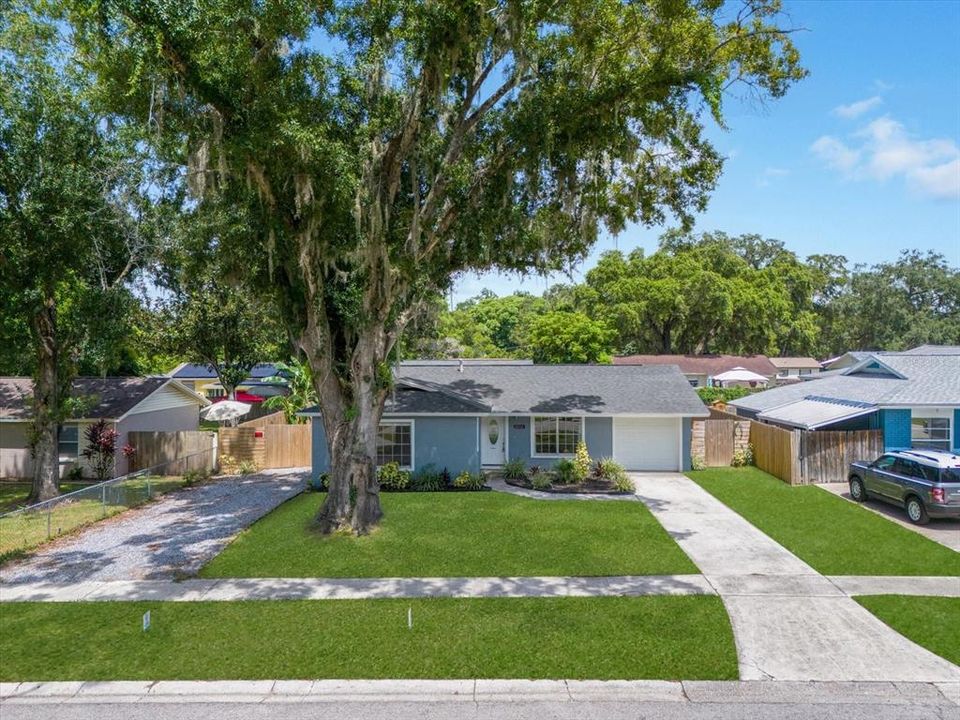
x=199 y=371
x=113 y=396
x=882 y=379
x=547 y=389
x=704 y=364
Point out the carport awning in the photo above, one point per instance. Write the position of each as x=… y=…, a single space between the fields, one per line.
x=811 y=413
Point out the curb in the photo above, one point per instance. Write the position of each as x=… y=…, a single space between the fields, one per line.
x=482 y=691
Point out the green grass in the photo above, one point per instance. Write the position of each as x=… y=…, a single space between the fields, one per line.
x=933 y=622
x=14 y=494
x=25 y=531
x=614 y=637
x=833 y=535
x=459 y=534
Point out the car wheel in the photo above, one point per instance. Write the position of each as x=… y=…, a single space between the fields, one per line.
x=916 y=511
x=857 y=489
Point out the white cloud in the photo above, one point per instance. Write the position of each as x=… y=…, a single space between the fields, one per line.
x=885 y=150
x=835 y=153
x=769 y=173
x=858 y=108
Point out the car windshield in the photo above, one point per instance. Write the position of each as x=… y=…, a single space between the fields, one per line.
x=950 y=475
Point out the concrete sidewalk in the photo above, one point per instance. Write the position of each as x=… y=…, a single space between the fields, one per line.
x=945 y=696
x=229 y=589
x=816 y=632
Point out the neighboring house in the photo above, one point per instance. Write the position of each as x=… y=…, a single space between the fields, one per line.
x=128 y=403
x=795 y=368
x=202 y=379
x=913 y=396
x=849 y=359
x=476 y=415
x=701 y=369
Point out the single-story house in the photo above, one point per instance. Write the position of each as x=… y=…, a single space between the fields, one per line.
x=701 y=369
x=913 y=396
x=203 y=380
x=795 y=368
x=851 y=358
x=128 y=403
x=475 y=415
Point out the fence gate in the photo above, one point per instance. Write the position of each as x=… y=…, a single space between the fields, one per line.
x=718 y=441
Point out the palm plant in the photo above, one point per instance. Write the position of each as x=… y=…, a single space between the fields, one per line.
x=296 y=375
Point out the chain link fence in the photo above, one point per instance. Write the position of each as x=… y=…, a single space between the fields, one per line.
x=29 y=526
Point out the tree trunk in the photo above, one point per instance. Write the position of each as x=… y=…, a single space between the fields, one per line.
x=46 y=406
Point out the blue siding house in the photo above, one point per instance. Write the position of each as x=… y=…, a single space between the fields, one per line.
x=477 y=414
x=913 y=396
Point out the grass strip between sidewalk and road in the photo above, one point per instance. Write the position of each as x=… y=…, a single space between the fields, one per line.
x=834 y=536
x=458 y=535
x=932 y=622
x=658 y=637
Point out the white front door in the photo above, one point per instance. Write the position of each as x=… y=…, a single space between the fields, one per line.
x=493 y=440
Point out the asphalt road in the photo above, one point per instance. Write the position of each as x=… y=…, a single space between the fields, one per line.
x=546 y=710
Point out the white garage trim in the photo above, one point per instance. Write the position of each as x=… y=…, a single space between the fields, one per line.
x=661 y=463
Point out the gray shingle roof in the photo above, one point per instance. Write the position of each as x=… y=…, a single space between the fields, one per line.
x=113 y=396
x=547 y=389
x=928 y=380
x=575 y=389
x=199 y=371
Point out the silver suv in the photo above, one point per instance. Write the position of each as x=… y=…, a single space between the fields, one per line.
x=926 y=483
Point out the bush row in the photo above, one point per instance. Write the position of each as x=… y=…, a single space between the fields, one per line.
x=428 y=479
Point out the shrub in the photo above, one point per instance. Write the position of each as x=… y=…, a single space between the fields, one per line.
x=470 y=481
x=541 y=480
x=429 y=479
x=698 y=463
x=445 y=477
x=392 y=478
x=246 y=467
x=742 y=457
x=320 y=483
x=192 y=477
x=566 y=472
x=75 y=473
x=607 y=469
x=581 y=461
x=515 y=470
x=101 y=448
x=623 y=483
x=710 y=395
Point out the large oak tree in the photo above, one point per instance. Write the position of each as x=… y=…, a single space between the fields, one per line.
x=388 y=146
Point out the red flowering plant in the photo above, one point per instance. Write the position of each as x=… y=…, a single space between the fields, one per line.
x=101 y=448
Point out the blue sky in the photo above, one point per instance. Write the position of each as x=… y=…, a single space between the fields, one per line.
x=861 y=159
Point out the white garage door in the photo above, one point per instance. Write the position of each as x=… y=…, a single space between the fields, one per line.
x=647 y=443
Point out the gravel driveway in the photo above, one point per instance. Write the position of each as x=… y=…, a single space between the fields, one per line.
x=172 y=537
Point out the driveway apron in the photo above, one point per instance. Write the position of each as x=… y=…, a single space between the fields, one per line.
x=789 y=621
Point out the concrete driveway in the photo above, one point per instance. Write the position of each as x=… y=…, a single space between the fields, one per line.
x=946 y=532
x=789 y=621
x=169 y=538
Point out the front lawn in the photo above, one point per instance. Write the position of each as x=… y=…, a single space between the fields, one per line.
x=656 y=637
x=933 y=622
x=831 y=534
x=459 y=534
x=14 y=495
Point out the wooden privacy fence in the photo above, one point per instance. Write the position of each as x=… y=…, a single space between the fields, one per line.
x=275 y=418
x=267 y=446
x=775 y=451
x=716 y=441
x=803 y=457
x=825 y=455
x=174 y=452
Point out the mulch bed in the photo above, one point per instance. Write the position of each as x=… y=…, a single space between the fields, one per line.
x=588 y=487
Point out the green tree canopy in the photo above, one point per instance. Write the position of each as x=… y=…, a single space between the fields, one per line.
x=569 y=337
x=382 y=148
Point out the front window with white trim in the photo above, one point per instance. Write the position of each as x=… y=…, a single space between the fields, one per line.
x=68 y=442
x=930 y=432
x=556 y=435
x=395 y=444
